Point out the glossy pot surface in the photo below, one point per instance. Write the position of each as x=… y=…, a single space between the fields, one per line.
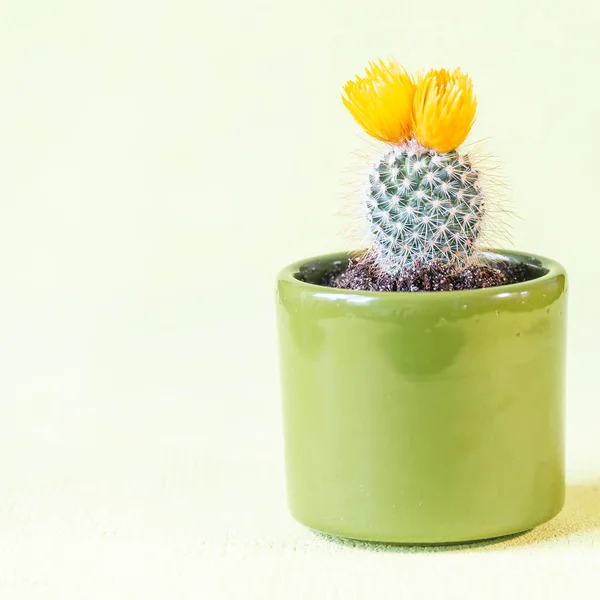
x=425 y=417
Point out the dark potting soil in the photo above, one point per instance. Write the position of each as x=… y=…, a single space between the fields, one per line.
x=432 y=277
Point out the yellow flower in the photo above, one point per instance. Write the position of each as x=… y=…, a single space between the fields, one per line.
x=444 y=109
x=381 y=103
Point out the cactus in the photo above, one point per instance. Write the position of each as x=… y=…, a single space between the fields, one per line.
x=423 y=199
x=423 y=205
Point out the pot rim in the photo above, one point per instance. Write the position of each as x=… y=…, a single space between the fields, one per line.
x=553 y=270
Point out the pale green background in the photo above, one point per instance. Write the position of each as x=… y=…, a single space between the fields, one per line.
x=159 y=161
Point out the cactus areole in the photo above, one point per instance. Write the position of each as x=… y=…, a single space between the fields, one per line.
x=423 y=375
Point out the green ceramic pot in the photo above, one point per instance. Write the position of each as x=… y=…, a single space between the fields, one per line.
x=428 y=417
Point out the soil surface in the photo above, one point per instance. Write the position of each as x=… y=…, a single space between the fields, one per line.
x=432 y=277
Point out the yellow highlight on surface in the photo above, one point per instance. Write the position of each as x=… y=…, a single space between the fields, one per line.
x=444 y=109
x=382 y=101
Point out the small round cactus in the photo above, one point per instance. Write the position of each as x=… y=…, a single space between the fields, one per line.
x=423 y=205
x=423 y=199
